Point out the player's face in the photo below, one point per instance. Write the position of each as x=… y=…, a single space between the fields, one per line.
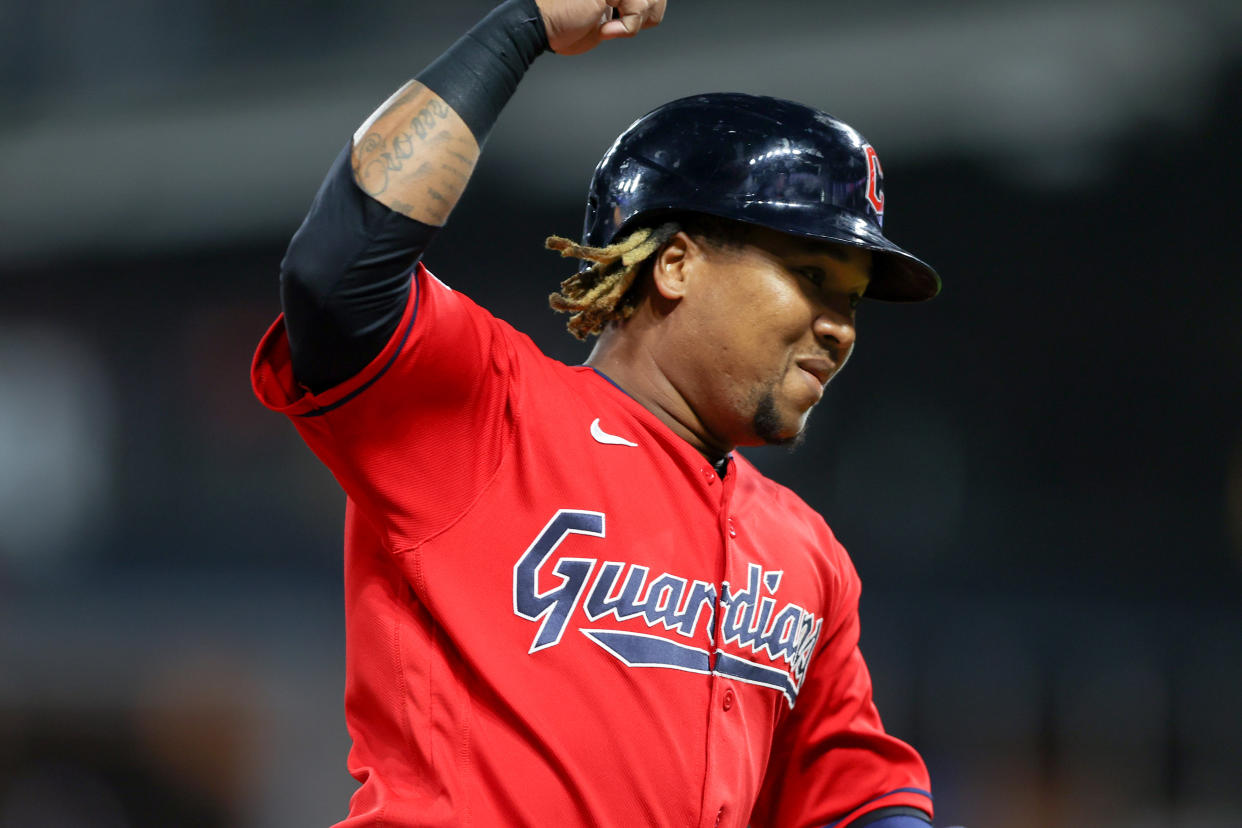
x=775 y=322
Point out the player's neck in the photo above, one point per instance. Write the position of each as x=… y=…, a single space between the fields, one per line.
x=634 y=368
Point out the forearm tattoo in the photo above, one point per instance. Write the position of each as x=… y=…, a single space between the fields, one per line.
x=415 y=155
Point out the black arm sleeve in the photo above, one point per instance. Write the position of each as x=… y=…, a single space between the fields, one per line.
x=345 y=278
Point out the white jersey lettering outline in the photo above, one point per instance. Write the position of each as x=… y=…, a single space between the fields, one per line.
x=750 y=618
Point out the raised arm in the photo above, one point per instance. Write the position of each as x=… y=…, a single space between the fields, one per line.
x=345 y=276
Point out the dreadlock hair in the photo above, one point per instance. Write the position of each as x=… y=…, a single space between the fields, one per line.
x=603 y=293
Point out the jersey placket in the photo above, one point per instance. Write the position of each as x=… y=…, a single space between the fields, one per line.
x=720 y=806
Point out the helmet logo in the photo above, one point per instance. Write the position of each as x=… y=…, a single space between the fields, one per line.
x=875 y=181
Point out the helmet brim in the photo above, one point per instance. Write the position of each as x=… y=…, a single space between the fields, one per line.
x=896 y=274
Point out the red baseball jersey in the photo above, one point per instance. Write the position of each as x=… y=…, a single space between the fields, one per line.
x=557 y=613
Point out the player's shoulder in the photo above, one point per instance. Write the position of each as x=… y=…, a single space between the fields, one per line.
x=804 y=533
x=437 y=299
x=755 y=483
x=783 y=502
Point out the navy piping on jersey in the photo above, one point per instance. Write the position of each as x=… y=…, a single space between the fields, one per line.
x=610 y=382
x=400 y=347
x=881 y=796
x=899 y=817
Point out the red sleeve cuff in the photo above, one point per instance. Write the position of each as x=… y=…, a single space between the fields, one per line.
x=271 y=372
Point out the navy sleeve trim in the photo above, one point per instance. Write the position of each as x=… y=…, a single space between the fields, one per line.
x=317 y=412
x=899 y=817
x=844 y=824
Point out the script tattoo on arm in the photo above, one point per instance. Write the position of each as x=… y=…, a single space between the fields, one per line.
x=415 y=155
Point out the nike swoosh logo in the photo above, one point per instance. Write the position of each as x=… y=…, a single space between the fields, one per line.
x=607 y=439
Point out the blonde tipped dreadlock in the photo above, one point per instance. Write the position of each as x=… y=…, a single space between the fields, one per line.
x=601 y=293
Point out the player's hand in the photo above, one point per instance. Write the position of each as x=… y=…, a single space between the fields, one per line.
x=576 y=26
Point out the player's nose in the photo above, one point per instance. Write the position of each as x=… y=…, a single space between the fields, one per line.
x=834 y=330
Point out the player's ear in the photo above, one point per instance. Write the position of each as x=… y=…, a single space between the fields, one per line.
x=671 y=268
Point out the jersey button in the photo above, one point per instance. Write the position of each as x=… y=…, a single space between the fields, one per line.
x=732 y=531
x=727 y=704
x=709 y=475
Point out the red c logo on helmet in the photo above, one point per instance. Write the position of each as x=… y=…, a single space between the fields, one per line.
x=875 y=175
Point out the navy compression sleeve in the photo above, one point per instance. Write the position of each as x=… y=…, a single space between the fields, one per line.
x=345 y=277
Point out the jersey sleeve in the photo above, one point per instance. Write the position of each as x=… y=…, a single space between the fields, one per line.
x=831 y=762
x=414 y=437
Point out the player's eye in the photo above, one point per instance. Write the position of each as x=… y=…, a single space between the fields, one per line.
x=855 y=300
x=813 y=274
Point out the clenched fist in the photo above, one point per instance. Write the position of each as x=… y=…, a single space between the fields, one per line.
x=576 y=26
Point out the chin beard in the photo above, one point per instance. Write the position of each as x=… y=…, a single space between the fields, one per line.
x=768 y=426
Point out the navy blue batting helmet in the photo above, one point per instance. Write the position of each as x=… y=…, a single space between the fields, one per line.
x=759 y=160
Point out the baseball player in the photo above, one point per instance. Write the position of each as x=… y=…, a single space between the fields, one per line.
x=568 y=600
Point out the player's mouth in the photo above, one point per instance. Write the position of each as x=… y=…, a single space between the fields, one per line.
x=819 y=369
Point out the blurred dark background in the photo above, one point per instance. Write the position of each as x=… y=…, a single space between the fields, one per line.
x=1039 y=474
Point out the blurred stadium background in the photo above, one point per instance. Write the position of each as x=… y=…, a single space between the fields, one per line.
x=1039 y=475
